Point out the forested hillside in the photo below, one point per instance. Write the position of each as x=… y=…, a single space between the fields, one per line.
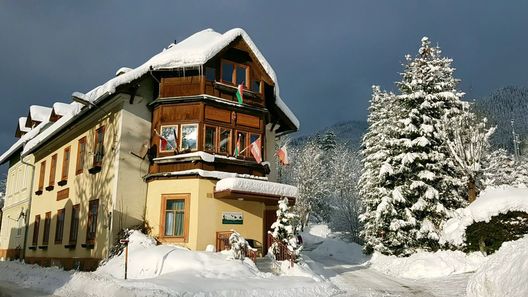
x=503 y=106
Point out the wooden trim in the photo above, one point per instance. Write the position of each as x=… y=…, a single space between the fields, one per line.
x=186 y=200
x=53 y=170
x=81 y=155
x=66 y=163
x=42 y=175
x=63 y=194
x=268 y=199
x=59 y=226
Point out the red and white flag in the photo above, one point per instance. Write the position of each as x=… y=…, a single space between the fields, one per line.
x=256 y=150
x=283 y=156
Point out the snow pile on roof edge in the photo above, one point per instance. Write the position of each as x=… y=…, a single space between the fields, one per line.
x=491 y=202
x=504 y=274
x=256 y=186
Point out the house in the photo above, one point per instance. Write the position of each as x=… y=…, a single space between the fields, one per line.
x=169 y=144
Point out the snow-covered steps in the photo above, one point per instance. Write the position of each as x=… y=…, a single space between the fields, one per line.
x=266 y=264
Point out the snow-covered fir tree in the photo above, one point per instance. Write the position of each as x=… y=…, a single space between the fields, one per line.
x=419 y=181
x=286 y=228
x=500 y=168
x=375 y=150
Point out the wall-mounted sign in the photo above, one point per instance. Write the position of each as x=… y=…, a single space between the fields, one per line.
x=235 y=218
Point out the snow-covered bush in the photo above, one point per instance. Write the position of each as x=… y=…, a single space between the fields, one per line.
x=487 y=237
x=238 y=245
x=504 y=274
x=497 y=209
x=286 y=229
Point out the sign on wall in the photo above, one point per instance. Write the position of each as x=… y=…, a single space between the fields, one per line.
x=235 y=218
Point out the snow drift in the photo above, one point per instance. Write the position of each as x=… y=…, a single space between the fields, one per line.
x=504 y=274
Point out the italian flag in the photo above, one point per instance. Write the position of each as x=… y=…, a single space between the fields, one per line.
x=237 y=146
x=239 y=93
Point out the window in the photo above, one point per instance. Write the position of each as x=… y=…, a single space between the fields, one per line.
x=210 y=138
x=53 y=169
x=227 y=72
x=65 y=164
x=41 y=177
x=255 y=86
x=59 y=229
x=175 y=218
x=241 y=139
x=189 y=137
x=169 y=138
x=241 y=73
x=74 y=224
x=36 y=227
x=81 y=154
x=234 y=73
x=210 y=73
x=47 y=223
x=224 y=145
x=91 y=228
x=99 y=147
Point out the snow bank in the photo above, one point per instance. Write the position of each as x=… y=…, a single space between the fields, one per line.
x=148 y=260
x=491 y=202
x=427 y=265
x=505 y=273
x=256 y=186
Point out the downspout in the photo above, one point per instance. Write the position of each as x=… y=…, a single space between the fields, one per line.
x=28 y=214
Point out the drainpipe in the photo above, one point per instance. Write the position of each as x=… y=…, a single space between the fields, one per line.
x=27 y=216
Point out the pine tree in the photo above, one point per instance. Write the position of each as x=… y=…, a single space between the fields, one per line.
x=375 y=150
x=419 y=182
x=286 y=228
x=500 y=168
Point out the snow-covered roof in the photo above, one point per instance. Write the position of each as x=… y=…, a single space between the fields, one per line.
x=61 y=109
x=25 y=138
x=193 y=51
x=255 y=186
x=38 y=113
x=491 y=202
x=47 y=133
x=22 y=124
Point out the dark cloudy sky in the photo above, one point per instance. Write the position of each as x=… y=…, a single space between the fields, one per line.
x=326 y=54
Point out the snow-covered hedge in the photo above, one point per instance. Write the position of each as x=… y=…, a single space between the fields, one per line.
x=491 y=202
x=504 y=274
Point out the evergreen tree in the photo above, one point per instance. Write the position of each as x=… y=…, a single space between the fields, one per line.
x=418 y=181
x=286 y=228
x=327 y=142
x=500 y=168
x=375 y=150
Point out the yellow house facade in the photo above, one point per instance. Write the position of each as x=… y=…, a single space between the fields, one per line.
x=182 y=146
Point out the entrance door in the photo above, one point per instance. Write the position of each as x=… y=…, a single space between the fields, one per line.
x=270 y=216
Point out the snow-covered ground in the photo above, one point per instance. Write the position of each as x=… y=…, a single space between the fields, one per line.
x=443 y=274
x=167 y=271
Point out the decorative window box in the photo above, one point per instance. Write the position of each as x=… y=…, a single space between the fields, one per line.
x=50 y=188
x=38 y=192
x=95 y=169
x=70 y=246
x=62 y=182
x=33 y=247
x=89 y=246
x=43 y=247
